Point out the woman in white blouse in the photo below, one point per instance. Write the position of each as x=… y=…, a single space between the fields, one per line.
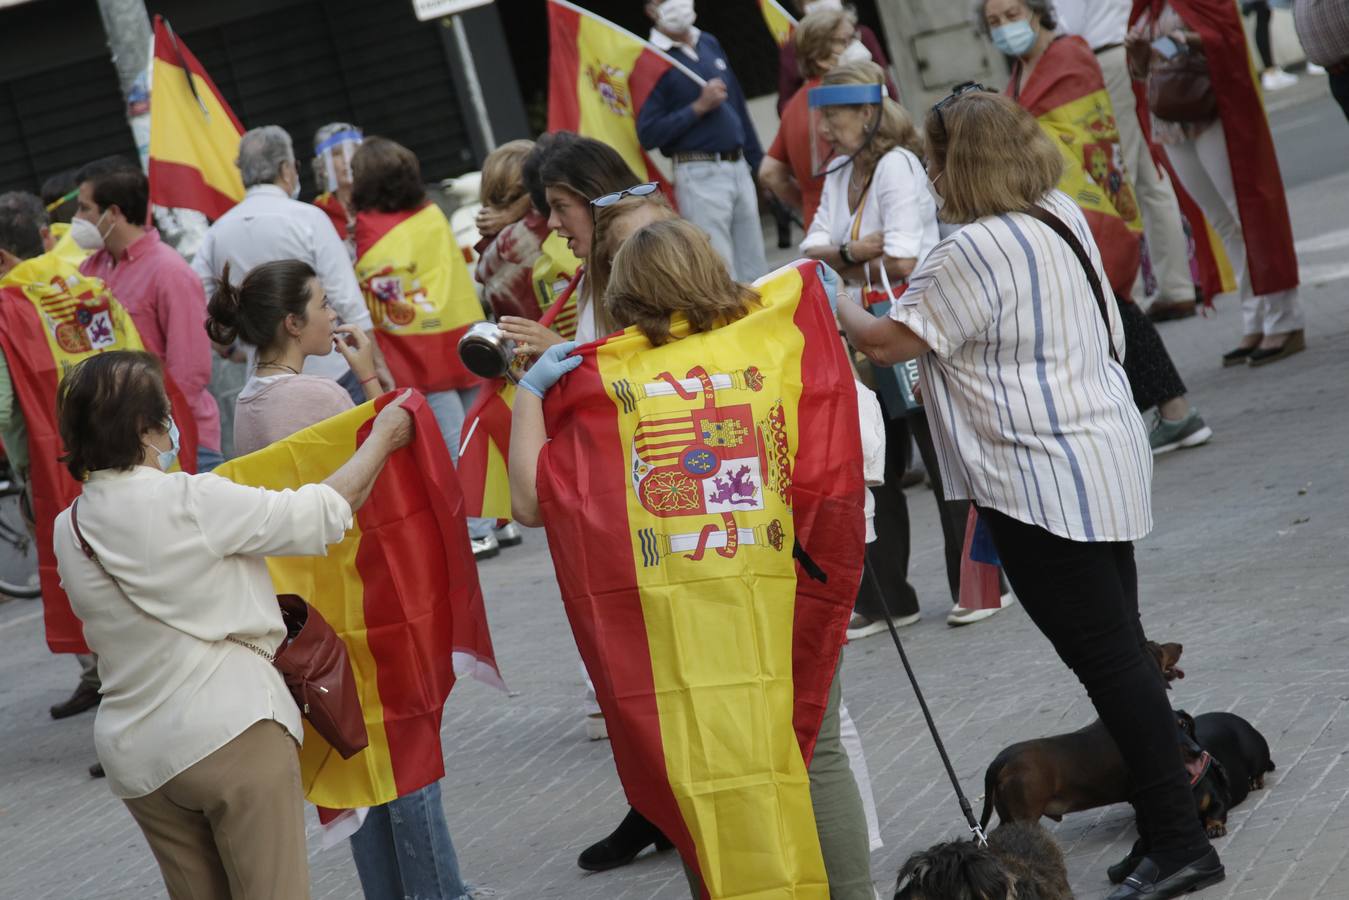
x=197 y=733
x=1033 y=420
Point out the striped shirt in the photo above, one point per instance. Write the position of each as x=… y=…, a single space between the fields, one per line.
x=1029 y=414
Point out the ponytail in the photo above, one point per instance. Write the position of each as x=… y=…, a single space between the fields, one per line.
x=255 y=310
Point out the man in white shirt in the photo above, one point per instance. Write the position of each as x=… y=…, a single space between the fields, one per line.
x=270 y=224
x=1103 y=25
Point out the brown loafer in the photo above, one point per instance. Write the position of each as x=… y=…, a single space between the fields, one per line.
x=1296 y=342
x=1171 y=310
x=85 y=697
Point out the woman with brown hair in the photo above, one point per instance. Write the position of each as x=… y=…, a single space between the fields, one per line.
x=512 y=232
x=1031 y=413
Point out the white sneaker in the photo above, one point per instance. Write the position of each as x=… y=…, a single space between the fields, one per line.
x=485 y=547
x=1314 y=69
x=509 y=535
x=959 y=615
x=596 y=730
x=1277 y=80
x=860 y=626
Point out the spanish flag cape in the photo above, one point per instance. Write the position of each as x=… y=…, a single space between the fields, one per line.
x=599 y=75
x=679 y=491
x=487 y=424
x=1066 y=94
x=1261 y=200
x=553 y=271
x=780 y=22
x=336 y=212
x=420 y=295
x=401 y=590
x=194 y=135
x=52 y=317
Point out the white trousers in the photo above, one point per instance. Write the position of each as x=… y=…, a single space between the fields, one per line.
x=1167 y=246
x=1206 y=172
x=720 y=198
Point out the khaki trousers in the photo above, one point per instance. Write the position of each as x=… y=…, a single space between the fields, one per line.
x=231 y=827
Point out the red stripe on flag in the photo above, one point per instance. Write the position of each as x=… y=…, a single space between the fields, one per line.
x=168 y=44
x=489 y=420
x=428 y=361
x=564 y=68
x=176 y=184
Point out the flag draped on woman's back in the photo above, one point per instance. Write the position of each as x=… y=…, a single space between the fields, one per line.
x=599 y=75
x=680 y=486
x=402 y=592
x=194 y=135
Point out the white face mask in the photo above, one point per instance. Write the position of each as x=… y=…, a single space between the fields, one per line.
x=295 y=181
x=854 y=53
x=87 y=235
x=815 y=6
x=676 y=16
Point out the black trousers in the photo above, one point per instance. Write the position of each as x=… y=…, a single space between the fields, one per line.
x=1084 y=598
x=1339 y=89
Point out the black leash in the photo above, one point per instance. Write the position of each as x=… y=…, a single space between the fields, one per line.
x=965 y=807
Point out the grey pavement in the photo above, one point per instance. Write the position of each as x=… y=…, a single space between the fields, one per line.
x=1246 y=567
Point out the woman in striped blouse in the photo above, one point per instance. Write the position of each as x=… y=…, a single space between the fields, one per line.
x=1033 y=420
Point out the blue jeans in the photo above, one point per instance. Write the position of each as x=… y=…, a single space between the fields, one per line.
x=449 y=408
x=403 y=850
x=208 y=459
x=720 y=198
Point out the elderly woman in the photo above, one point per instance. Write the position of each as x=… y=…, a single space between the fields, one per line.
x=1032 y=418
x=197 y=733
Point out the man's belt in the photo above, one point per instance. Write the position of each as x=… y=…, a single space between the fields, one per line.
x=698 y=156
x=1105 y=47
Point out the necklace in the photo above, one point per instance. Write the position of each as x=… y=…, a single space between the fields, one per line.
x=277 y=365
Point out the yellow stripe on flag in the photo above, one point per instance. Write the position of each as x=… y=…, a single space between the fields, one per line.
x=780 y=22
x=182 y=132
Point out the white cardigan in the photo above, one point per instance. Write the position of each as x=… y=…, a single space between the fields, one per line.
x=188 y=550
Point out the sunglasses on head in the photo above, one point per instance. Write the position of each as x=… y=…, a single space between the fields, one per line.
x=637 y=190
x=958 y=91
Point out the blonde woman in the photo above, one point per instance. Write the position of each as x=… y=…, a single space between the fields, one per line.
x=1033 y=420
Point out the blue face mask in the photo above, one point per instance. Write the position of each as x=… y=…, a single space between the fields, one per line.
x=1014 y=38
x=167 y=457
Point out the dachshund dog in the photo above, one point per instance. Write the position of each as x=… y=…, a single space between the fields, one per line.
x=1227 y=760
x=1021 y=862
x=1065 y=773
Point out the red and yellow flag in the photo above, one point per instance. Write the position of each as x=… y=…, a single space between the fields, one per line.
x=401 y=590
x=780 y=22
x=420 y=295
x=599 y=75
x=52 y=317
x=194 y=135
x=1075 y=111
x=486 y=445
x=679 y=493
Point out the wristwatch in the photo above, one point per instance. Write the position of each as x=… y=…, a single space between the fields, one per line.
x=844 y=255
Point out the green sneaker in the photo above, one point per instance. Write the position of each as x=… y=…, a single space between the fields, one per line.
x=1166 y=435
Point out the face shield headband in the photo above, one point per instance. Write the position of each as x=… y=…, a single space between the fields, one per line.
x=842 y=95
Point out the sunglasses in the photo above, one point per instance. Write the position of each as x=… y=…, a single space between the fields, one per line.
x=637 y=190
x=959 y=90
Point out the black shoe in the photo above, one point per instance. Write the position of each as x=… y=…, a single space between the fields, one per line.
x=633 y=836
x=1145 y=883
x=1237 y=356
x=96 y=771
x=1125 y=867
x=85 y=697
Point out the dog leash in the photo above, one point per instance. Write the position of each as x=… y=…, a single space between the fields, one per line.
x=965 y=807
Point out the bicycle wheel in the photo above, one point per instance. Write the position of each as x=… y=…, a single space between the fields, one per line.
x=18 y=552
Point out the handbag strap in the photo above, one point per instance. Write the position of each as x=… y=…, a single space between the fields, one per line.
x=1062 y=230
x=89 y=552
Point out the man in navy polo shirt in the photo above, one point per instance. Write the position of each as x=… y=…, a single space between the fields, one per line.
x=708 y=133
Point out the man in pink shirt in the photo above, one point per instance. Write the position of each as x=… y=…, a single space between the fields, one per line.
x=156 y=285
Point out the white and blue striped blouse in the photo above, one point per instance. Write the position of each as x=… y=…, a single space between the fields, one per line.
x=1029 y=414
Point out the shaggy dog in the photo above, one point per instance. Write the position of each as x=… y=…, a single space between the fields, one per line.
x=1021 y=862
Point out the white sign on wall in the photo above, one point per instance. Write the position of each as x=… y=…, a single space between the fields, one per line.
x=427 y=10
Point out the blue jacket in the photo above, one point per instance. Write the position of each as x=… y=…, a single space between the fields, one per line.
x=667 y=119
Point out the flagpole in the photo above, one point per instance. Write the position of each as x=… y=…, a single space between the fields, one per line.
x=475 y=97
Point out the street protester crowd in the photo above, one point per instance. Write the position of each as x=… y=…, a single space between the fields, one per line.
x=996 y=266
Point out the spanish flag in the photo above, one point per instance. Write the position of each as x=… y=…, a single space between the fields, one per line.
x=401 y=590
x=708 y=554
x=52 y=317
x=780 y=22
x=194 y=135
x=599 y=75
x=1075 y=111
x=487 y=425
x=420 y=295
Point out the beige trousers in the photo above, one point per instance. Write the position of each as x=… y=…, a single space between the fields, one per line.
x=231 y=827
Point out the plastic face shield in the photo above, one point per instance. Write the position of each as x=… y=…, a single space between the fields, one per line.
x=828 y=100
x=333 y=158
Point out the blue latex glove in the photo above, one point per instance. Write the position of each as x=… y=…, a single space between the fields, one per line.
x=829 y=278
x=552 y=365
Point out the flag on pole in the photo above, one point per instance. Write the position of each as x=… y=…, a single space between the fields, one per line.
x=599 y=75
x=780 y=22
x=51 y=318
x=194 y=135
x=708 y=554
x=402 y=592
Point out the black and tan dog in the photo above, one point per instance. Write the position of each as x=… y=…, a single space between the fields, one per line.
x=1021 y=862
x=1228 y=760
x=1065 y=773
